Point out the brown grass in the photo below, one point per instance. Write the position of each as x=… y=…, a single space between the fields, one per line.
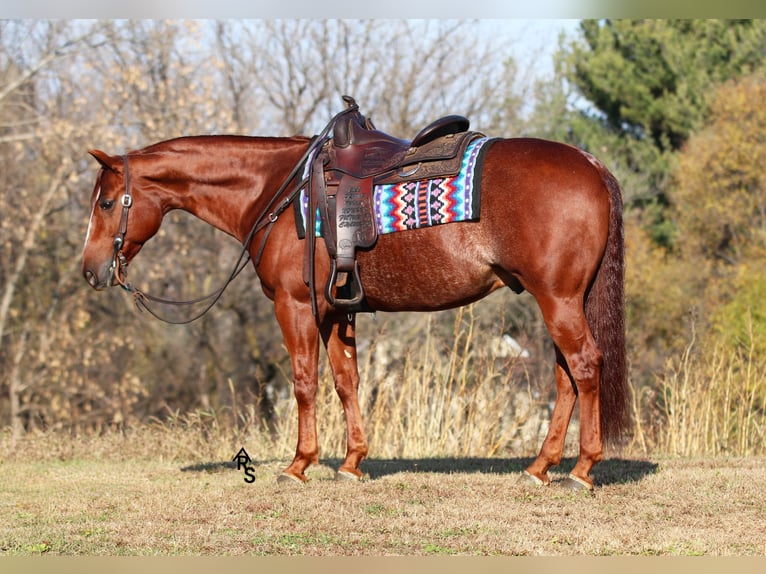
x=458 y=401
x=712 y=403
x=135 y=495
x=450 y=430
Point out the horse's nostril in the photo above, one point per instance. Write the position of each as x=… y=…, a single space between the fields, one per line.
x=90 y=277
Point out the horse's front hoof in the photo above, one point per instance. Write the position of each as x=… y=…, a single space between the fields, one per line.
x=526 y=478
x=576 y=484
x=286 y=478
x=347 y=476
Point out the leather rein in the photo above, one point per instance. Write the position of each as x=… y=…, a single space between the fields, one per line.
x=119 y=266
x=267 y=219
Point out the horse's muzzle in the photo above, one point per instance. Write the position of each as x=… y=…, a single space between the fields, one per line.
x=95 y=281
x=90 y=277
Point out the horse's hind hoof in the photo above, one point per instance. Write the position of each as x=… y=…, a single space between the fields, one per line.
x=576 y=484
x=285 y=478
x=346 y=476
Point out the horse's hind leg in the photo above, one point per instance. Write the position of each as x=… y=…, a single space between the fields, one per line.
x=553 y=446
x=578 y=374
x=340 y=339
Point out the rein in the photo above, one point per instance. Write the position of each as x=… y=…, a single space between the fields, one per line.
x=267 y=219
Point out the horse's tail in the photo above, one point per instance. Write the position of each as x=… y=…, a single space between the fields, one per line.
x=605 y=313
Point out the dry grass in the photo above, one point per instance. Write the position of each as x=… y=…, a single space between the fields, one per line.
x=449 y=431
x=458 y=401
x=426 y=401
x=105 y=504
x=712 y=403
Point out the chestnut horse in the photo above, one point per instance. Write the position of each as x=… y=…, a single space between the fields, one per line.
x=550 y=223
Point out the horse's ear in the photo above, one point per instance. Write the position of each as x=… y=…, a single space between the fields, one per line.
x=106 y=161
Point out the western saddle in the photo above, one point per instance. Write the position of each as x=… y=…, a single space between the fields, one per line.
x=342 y=175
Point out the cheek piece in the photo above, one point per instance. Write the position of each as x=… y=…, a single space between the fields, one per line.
x=118 y=270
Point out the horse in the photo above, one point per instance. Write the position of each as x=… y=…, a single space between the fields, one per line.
x=550 y=223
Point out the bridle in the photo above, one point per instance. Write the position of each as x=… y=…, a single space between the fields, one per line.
x=118 y=270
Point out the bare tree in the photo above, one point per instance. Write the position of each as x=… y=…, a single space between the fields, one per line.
x=32 y=133
x=70 y=357
x=403 y=73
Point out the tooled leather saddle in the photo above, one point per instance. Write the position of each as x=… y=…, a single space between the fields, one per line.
x=342 y=175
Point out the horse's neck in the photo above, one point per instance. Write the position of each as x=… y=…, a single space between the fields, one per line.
x=229 y=184
x=212 y=204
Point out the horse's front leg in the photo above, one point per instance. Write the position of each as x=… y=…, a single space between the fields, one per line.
x=339 y=336
x=301 y=336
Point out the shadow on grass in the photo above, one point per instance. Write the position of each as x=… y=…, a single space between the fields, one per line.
x=210 y=466
x=610 y=471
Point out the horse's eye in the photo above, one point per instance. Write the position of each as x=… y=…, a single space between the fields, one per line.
x=106 y=204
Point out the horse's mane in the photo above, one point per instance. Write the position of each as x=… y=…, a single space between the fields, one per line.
x=189 y=143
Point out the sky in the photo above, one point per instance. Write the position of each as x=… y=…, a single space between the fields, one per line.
x=297 y=8
x=532 y=41
x=532 y=27
x=524 y=9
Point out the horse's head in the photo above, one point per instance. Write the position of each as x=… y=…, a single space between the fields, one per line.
x=123 y=217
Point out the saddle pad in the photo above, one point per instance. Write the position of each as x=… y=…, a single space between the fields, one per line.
x=424 y=203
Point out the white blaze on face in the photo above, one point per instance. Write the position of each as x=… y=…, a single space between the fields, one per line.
x=92 y=211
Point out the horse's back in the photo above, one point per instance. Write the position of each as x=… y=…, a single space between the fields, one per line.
x=544 y=206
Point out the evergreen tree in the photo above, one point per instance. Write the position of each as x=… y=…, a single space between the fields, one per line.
x=649 y=85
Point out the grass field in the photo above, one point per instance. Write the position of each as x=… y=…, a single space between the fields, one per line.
x=111 y=496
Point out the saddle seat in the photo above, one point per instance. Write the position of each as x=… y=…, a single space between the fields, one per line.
x=343 y=174
x=361 y=150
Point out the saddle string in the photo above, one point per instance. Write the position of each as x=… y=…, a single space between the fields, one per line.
x=266 y=219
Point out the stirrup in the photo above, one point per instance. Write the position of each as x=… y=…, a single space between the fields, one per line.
x=355 y=287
